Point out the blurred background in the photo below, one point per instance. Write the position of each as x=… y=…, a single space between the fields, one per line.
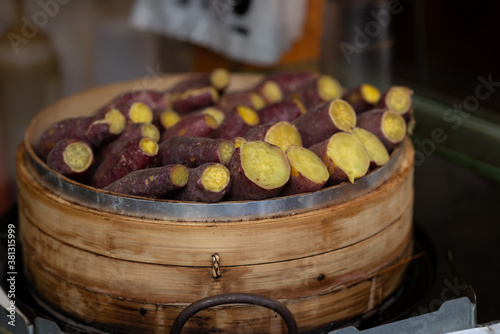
x=447 y=51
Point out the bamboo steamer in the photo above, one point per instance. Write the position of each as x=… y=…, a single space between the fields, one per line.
x=129 y=265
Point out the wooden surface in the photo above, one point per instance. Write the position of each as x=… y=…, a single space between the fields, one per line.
x=325 y=265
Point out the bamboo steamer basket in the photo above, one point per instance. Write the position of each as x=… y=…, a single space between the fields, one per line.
x=130 y=265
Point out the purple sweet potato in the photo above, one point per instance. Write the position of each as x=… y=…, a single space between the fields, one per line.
x=165 y=119
x=132 y=131
x=308 y=173
x=217 y=78
x=156 y=182
x=290 y=81
x=195 y=125
x=237 y=123
x=322 y=121
x=248 y=99
x=281 y=111
x=138 y=154
x=398 y=99
x=96 y=130
x=195 y=151
x=269 y=90
x=153 y=99
x=344 y=156
x=134 y=112
x=72 y=158
x=259 y=170
x=362 y=98
x=387 y=125
x=316 y=91
x=282 y=134
x=207 y=183
x=192 y=99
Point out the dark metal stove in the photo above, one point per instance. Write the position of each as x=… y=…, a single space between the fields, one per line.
x=431 y=280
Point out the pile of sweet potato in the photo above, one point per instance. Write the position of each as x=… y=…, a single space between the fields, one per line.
x=292 y=133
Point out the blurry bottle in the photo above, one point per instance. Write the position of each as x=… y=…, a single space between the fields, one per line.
x=29 y=81
x=356 y=43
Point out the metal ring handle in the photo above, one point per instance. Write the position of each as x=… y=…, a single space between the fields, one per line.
x=235 y=298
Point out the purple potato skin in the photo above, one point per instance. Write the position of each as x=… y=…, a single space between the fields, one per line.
x=55 y=160
x=286 y=111
x=194 y=190
x=372 y=121
x=316 y=124
x=194 y=125
x=228 y=102
x=354 y=97
x=153 y=99
x=193 y=99
x=291 y=81
x=198 y=80
x=190 y=151
x=121 y=163
x=299 y=184
x=90 y=129
x=307 y=93
x=152 y=182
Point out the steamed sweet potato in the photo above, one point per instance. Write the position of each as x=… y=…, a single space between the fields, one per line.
x=317 y=91
x=307 y=172
x=138 y=154
x=72 y=158
x=259 y=170
x=237 y=123
x=156 y=182
x=282 y=134
x=192 y=99
x=374 y=147
x=207 y=183
x=322 y=121
x=269 y=90
x=362 y=98
x=96 y=130
x=217 y=78
x=216 y=113
x=248 y=99
x=290 y=81
x=281 y=111
x=135 y=112
x=344 y=156
x=197 y=125
x=195 y=151
x=387 y=125
x=132 y=131
x=165 y=119
x=153 y=99
x=398 y=99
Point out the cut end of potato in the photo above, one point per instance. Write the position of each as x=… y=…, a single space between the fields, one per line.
x=398 y=99
x=150 y=131
x=116 y=121
x=348 y=154
x=238 y=141
x=148 y=146
x=169 y=118
x=305 y=162
x=374 y=147
x=300 y=105
x=370 y=93
x=342 y=115
x=140 y=113
x=217 y=114
x=78 y=156
x=179 y=175
x=248 y=115
x=393 y=126
x=211 y=122
x=283 y=135
x=264 y=164
x=329 y=88
x=272 y=92
x=226 y=150
x=215 y=177
x=219 y=78
x=257 y=101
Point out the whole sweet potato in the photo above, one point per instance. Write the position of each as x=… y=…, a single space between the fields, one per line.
x=362 y=98
x=155 y=182
x=195 y=151
x=389 y=126
x=316 y=91
x=207 y=183
x=192 y=99
x=398 y=99
x=237 y=123
x=322 y=121
x=282 y=134
x=153 y=99
x=195 y=125
x=281 y=111
x=248 y=99
x=217 y=78
x=290 y=81
x=72 y=158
